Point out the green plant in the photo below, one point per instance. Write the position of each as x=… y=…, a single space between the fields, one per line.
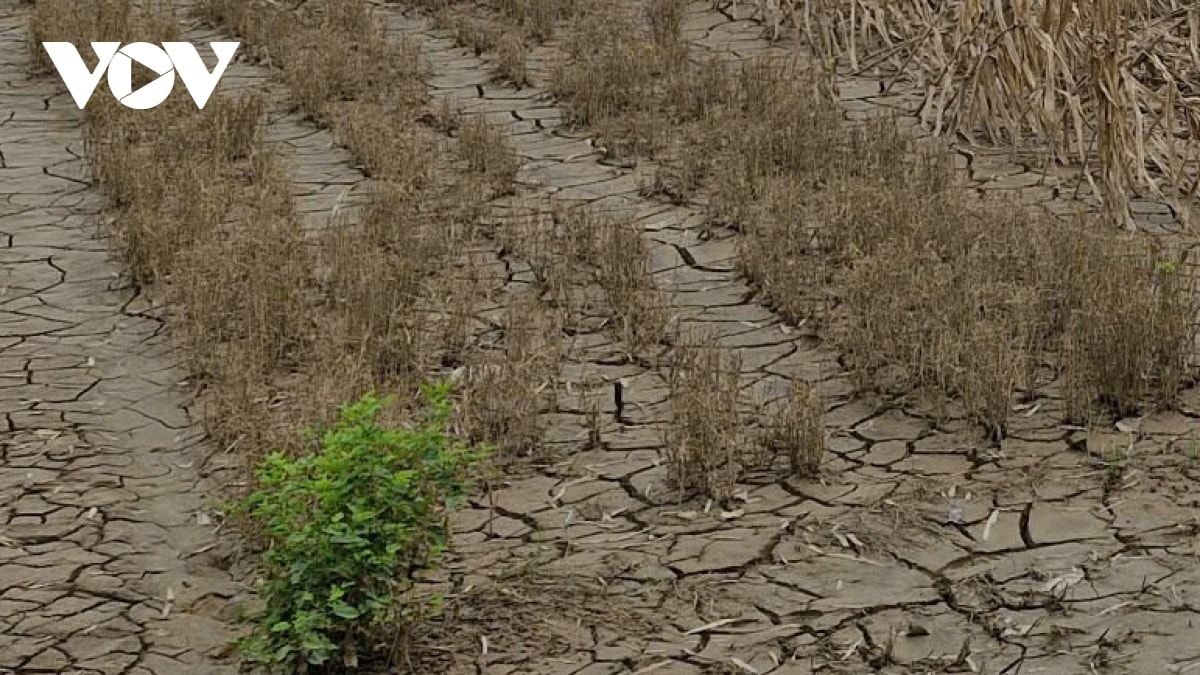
x=348 y=528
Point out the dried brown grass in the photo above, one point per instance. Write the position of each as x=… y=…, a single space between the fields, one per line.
x=538 y=18
x=102 y=21
x=1129 y=336
x=211 y=231
x=376 y=273
x=507 y=386
x=506 y=32
x=171 y=200
x=332 y=54
x=709 y=443
x=793 y=427
x=587 y=265
x=707 y=429
x=1105 y=86
x=400 y=298
x=946 y=294
x=487 y=152
x=387 y=149
x=469 y=31
x=607 y=78
x=283 y=323
x=665 y=18
x=244 y=313
x=511 y=58
x=556 y=251
x=622 y=269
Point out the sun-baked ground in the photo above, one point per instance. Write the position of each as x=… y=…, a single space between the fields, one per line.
x=920 y=547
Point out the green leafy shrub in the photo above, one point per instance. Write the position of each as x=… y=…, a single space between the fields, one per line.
x=347 y=528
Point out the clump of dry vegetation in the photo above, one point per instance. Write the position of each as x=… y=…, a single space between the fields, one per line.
x=609 y=76
x=707 y=430
x=793 y=427
x=557 y=252
x=537 y=18
x=508 y=383
x=108 y=20
x=530 y=20
x=511 y=58
x=336 y=57
x=665 y=18
x=1106 y=86
x=347 y=73
x=947 y=293
x=589 y=265
x=405 y=279
x=713 y=438
x=1130 y=335
x=240 y=295
x=367 y=86
x=283 y=321
x=505 y=34
x=622 y=269
x=402 y=284
x=977 y=300
x=469 y=31
x=376 y=276
x=167 y=194
x=487 y=151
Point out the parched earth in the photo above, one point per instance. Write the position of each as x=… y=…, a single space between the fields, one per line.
x=920 y=550
x=112 y=555
x=110 y=561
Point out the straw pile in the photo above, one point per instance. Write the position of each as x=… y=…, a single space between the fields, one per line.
x=1108 y=87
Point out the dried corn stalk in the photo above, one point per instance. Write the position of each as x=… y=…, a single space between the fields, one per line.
x=1110 y=87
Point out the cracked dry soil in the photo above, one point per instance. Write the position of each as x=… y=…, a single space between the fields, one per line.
x=920 y=551
x=109 y=562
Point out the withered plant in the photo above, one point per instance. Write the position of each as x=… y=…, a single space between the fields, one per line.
x=508 y=384
x=100 y=21
x=621 y=258
x=487 y=151
x=793 y=426
x=706 y=432
x=948 y=294
x=537 y=18
x=511 y=57
x=1102 y=86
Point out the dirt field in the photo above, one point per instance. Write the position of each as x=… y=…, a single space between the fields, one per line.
x=920 y=545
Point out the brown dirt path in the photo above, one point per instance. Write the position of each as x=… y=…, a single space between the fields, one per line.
x=109 y=561
x=922 y=550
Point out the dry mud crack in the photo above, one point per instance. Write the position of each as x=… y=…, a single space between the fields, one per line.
x=109 y=562
x=922 y=551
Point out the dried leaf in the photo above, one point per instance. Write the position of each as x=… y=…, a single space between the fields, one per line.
x=1063 y=582
x=991 y=522
x=744 y=666
x=710 y=626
